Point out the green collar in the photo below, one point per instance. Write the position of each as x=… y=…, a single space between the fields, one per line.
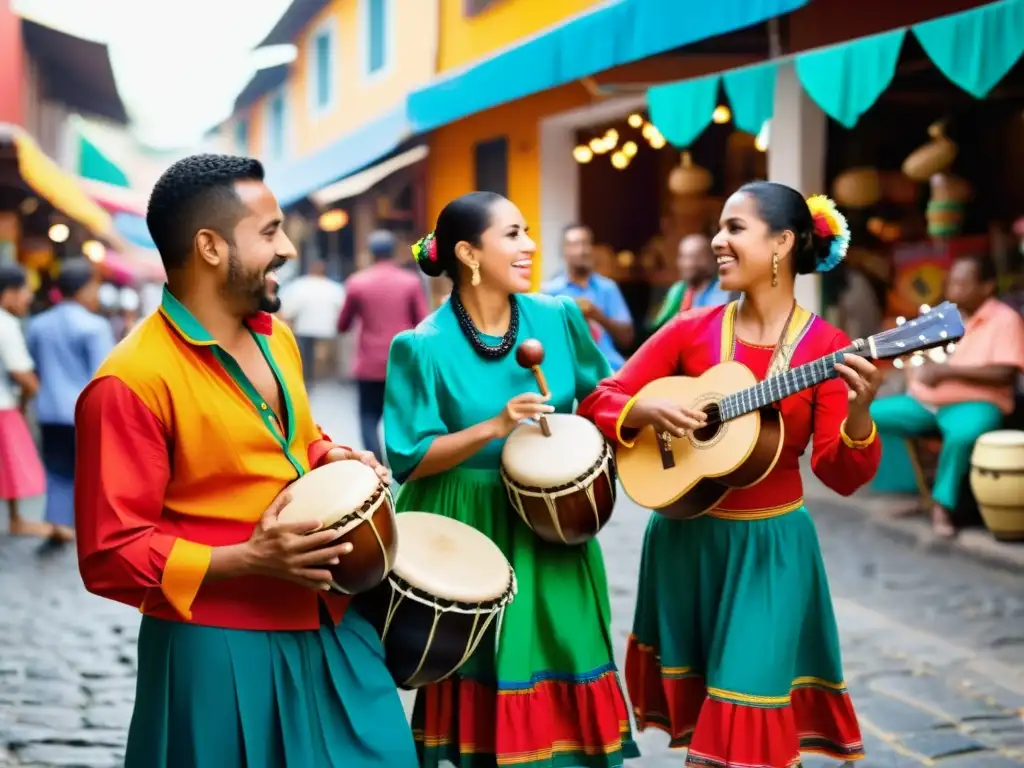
x=192 y=331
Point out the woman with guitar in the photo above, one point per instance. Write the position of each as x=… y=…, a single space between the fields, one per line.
x=734 y=648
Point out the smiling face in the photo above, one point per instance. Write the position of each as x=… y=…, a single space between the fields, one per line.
x=257 y=247
x=506 y=250
x=745 y=244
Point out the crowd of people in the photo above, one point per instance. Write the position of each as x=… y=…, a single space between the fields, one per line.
x=169 y=456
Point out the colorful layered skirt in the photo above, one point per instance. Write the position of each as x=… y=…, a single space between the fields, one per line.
x=735 y=651
x=208 y=697
x=541 y=689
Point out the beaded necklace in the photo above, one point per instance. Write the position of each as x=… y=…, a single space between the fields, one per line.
x=472 y=335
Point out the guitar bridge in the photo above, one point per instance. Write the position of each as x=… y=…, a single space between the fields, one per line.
x=668 y=459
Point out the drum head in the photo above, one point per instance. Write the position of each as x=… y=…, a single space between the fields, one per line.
x=330 y=492
x=1004 y=438
x=450 y=560
x=531 y=459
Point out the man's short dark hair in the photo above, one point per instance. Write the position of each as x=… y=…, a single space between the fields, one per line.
x=984 y=267
x=12 y=276
x=381 y=243
x=197 y=192
x=576 y=225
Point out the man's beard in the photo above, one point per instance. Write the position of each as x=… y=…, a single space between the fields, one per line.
x=250 y=287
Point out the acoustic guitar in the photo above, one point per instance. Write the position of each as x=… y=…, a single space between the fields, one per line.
x=742 y=440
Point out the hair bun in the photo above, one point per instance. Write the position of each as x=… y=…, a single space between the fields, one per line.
x=424 y=251
x=830 y=235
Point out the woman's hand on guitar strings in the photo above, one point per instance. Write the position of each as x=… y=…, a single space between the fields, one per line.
x=529 y=405
x=664 y=416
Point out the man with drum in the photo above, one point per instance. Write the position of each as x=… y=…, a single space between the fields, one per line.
x=187 y=437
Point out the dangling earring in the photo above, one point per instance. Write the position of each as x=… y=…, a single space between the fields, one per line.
x=475 y=278
x=775 y=269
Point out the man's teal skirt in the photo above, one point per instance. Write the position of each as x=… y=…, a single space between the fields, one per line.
x=229 y=698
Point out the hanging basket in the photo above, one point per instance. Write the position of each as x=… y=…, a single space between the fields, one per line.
x=857 y=188
x=934 y=157
x=689 y=179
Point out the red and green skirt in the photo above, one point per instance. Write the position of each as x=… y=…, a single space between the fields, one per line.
x=735 y=651
x=541 y=689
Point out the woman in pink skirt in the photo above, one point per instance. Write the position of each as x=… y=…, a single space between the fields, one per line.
x=21 y=473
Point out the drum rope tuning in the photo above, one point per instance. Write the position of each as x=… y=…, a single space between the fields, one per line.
x=475 y=636
x=365 y=514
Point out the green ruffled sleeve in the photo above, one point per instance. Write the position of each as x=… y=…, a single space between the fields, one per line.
x=591 y=364
x=411 y=416
x=670 y=306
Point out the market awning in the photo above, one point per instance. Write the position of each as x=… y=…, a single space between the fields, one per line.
x=363 y=181
x=61 y=189
x=115 y=199
x=608 y=36
x=846 y=79
x=348 y=154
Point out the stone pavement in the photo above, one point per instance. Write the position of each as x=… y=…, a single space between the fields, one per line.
x=933 y=645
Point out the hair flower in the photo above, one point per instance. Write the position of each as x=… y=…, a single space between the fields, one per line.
x=829 y=223
x=425 y=247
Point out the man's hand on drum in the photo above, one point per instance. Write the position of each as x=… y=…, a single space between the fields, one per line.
x=289 y=551
x=366 y=457
x=528 y=405
x=664 y=416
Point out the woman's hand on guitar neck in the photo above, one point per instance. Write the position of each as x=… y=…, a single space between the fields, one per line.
x=664 y=416
x=862 y=380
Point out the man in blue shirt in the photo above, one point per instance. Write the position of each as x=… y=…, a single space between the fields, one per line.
x=698 y=267
x=67 y=342
x=598 y=297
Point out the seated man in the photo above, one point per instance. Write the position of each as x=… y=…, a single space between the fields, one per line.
x=966 y=396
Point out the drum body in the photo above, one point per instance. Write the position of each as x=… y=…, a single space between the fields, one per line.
x=349 y=497
x=997 y=480
x=449 y=585
x=563 y=486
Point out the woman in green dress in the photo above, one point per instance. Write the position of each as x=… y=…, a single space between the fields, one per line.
x=542 y=690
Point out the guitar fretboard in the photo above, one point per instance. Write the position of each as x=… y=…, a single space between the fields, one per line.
x=780 y=386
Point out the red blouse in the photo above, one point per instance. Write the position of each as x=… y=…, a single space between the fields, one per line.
x=692 y=343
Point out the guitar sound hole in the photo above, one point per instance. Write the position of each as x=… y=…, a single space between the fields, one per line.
x=708 y=432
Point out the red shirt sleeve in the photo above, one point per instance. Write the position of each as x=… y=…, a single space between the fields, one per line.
x=840 y=463
x=319 y=449
x=659 y=356
x=121 y=472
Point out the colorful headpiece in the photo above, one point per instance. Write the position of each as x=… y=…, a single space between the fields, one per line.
x=425 y=248
x=830 y=223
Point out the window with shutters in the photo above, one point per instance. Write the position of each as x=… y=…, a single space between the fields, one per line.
x=276 y=127
x=321 y=58
x=242 y=136
x=378 y=30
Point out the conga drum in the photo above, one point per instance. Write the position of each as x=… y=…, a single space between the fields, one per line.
x=449 y=585
x=349 y=497
x=997 y=480
x=562 y=485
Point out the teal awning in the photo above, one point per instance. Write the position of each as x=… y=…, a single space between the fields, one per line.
x=94 y=164
x=612 y=34
x=974 y=49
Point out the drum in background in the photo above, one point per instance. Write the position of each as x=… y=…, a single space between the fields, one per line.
x=349 y=497
x=997 y=480
x=450 y=583
x=563 y=486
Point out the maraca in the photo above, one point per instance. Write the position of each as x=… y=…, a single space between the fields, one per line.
x=530 y=355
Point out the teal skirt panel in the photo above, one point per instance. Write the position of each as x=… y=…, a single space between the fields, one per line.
x=227 y=698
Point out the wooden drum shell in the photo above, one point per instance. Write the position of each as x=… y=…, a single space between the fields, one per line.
x=427 y=639
x=374 y=543
x=997 y=480
x=572 y=513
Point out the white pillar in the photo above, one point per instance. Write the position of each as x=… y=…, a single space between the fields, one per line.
x=796 y=157
x=559 y=192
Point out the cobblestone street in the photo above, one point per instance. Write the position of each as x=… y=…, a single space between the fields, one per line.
x=933 y=646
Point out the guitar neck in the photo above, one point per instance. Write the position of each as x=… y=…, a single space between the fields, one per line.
x=778 y=387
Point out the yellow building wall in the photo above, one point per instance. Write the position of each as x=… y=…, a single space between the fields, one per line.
x=451 y=166
x=463 y=39
x=360 y=99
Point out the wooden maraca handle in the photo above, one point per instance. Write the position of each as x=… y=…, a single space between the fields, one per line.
x=530 y=355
